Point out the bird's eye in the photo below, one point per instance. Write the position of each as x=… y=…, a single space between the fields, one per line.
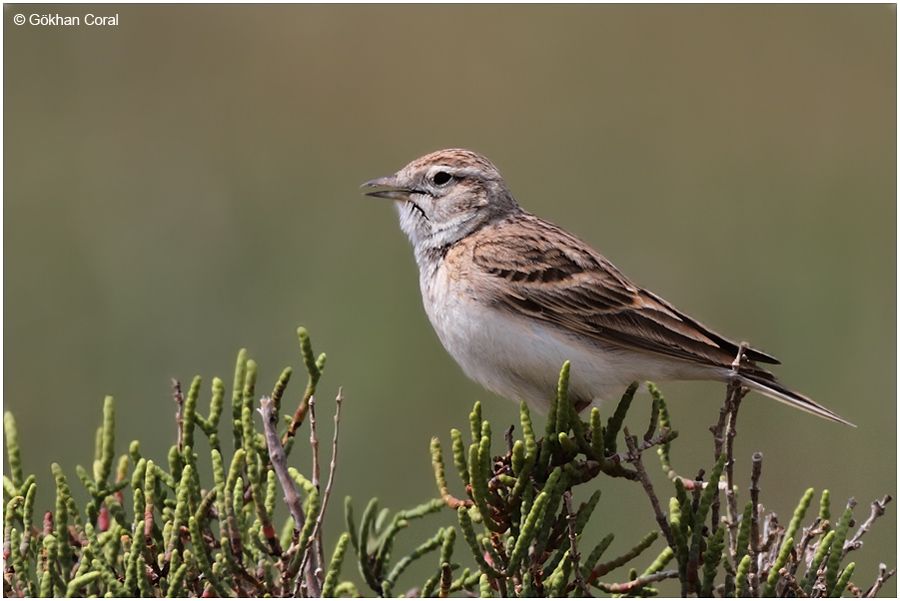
x=441 y=178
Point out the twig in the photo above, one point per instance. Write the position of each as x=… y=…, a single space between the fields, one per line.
x=809 y=534
x=311 y=554
x=734 y=384
x=612 y=465
x=772 y=536
x=455 y=503
x=644 y=479
x=276 y=456
x=662 y=437
x=314 y=441
x=316 y=470
x=573 y=548
x=279 y=464
x=724 y=432
x=791 y=583
x=730 y=499
x=178 y=397
x=632 y=585
x=753 y=579
x=877 y=510
x=883 y=576
x=692 y=484
x=718 y=429
x=332 y=468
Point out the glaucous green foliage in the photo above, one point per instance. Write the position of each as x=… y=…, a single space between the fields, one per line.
x=149 y=529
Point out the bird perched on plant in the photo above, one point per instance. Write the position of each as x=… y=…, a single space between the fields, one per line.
x=512 y=297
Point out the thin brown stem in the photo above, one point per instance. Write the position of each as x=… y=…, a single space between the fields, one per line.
x=573 y=546
x=691 y=484
x=317 y=535
x=288 y=487
x=316 y=472
x=734 y=385
x=454 y=502
x=332 y=466
x=635 y=460
x=723 y=433
x=314 y=442
x=877 y=510
x=623 y=588
x=883 y=576
x=809 y=534
x=730 y=499
x=612 y=465
x=791 y=584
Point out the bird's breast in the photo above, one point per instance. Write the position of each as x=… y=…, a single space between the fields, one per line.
x=520 y=358
x=516 y=358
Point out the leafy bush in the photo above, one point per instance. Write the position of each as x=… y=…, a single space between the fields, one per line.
x=522 y=534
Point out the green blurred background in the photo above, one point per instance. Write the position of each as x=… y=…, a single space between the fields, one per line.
x=186 y=184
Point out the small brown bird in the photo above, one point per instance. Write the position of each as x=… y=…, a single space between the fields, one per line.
x=512 y=297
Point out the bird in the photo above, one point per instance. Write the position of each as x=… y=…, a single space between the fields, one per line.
x=512 y=297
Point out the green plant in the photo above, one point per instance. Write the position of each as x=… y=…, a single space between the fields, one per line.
x=531 y=539
x=150 y=529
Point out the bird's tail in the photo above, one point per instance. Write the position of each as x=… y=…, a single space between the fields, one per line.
x=766 y=383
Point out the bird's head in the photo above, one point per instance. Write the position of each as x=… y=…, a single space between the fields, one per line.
x=444 y=196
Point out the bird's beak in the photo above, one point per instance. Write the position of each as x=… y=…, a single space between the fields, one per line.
x=390 y=188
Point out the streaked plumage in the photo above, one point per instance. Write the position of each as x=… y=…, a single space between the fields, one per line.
x=512 y=296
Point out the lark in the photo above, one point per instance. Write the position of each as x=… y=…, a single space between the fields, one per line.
x=512 y=296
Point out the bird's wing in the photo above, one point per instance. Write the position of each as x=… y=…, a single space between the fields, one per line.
x=541 y=272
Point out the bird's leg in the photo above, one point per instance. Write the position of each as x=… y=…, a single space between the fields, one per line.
x=739 y=358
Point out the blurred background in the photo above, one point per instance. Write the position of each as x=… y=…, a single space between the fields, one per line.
x=186 y=184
